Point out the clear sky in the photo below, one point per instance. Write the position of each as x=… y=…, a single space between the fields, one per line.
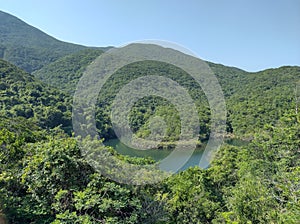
x=252 y=35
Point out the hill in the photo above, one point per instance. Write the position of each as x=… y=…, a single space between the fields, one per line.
x=21 y=95
x=29 y=48
x=262 y=98
x=66 y=71
x=252 y=99
x=45 y=178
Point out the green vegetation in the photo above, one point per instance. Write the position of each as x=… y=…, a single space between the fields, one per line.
x=23 y=96
x=262 y=98
x=152 y=106
x=29 y=48
x=44 y=178
x=65 y=72
x=253 y=99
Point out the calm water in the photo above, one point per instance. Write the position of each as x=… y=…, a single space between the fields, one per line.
x=159 y=154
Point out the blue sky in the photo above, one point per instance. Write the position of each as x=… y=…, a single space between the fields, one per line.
x=252 y=35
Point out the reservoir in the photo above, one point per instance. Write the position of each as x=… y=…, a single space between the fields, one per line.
x=159 y=154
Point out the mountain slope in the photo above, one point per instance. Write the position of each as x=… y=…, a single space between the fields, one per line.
x=22 y=95
x=252 y=99
x=262 y=98
x=66 y=71
x=29 y=48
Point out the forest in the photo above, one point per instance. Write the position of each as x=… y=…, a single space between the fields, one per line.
x=44 y=178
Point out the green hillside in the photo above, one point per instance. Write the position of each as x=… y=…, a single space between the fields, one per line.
x=29 y=48
x=23 y=95
x=46 y=176
x=65 y=72
x=252 y=99
x=45 y=179
x=262 y=98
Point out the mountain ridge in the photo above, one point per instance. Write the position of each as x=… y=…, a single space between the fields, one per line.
x=30 y=48
x=9 y=52
x=258 y=97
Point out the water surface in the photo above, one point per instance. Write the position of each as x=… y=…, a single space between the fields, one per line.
x=159 y=154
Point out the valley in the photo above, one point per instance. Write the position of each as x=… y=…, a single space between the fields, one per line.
x=45 y=177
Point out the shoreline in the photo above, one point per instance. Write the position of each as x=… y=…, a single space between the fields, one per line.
x=170 y=145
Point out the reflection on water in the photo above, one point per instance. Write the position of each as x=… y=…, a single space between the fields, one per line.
x=159 y=154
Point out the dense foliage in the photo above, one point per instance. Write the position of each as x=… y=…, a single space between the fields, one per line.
x=44 y=178
x=151 y=106
x=262 y=98
x=252 y=99
x=21 y=95
x=65 y=72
